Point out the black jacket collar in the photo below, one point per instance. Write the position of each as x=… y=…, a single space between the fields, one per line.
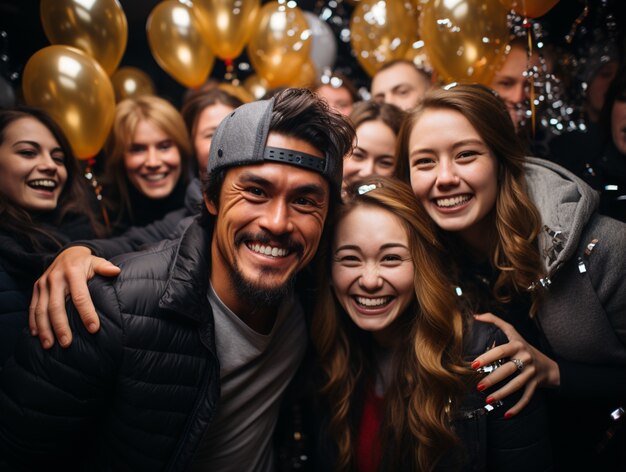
x=186 y=289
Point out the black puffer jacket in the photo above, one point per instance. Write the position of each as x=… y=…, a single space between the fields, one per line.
x=140 y=393
x=21 y=263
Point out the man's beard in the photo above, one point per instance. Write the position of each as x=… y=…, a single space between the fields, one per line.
x=257 y=295
x=253 y=292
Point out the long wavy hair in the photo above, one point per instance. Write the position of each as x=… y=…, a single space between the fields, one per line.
x=429 y=372
x=516 y=220
x=73 y=199
x=128 y=114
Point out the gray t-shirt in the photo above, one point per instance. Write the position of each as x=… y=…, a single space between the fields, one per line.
x=255 y=369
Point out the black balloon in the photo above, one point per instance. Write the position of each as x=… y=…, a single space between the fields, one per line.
x=7 y=94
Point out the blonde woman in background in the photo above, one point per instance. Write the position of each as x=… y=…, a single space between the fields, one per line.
x=147 y=161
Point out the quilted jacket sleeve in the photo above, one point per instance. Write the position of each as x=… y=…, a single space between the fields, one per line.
x=13 y=313
x=51 y=401
x=171 y=226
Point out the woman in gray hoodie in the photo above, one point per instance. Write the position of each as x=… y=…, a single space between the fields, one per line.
x=530 y=254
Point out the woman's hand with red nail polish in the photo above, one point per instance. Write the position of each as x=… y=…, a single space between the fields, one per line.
x=538 y=370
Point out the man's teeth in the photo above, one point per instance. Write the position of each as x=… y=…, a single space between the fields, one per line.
x=452 y=201
x=47 y=184
x=372 y=301
x=268 y=250
x=155 y=177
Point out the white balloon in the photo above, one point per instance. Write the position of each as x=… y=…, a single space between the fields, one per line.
x=323 y=45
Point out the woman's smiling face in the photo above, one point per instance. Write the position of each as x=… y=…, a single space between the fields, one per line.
x=152 y=161
x=453 y=172
x=372 y=271
x=32 y=165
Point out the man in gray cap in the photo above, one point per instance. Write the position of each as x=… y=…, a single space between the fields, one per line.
x=199 y=336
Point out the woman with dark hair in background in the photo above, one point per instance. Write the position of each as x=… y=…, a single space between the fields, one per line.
x=202 y=113
x=377 y=126
x=44 y=204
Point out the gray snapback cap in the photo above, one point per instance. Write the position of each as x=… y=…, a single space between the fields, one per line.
x=241 y=137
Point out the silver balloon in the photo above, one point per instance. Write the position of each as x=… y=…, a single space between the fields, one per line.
x=324 y=43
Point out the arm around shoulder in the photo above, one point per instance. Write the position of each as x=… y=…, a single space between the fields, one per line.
x=68 y=274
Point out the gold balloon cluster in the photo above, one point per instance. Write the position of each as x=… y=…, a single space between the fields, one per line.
x=185 y=38
x=70 y=78
x=461 y=40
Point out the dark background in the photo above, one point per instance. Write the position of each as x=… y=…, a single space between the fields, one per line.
x=24 y=36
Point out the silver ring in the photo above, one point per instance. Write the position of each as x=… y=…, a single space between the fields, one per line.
x=518 y=363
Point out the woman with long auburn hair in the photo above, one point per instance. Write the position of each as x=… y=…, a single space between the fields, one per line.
x=531 y=254
x=395 y=345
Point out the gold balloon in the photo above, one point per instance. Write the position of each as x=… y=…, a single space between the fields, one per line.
x=97 y=27
x=227 y=24
x=530 y=8
x=73 y=88
x=416 y=52
x=466 y=39
x=280 y=44
x=256 y=85
x=177 y=45
x=130 y=82
x=379 y=31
